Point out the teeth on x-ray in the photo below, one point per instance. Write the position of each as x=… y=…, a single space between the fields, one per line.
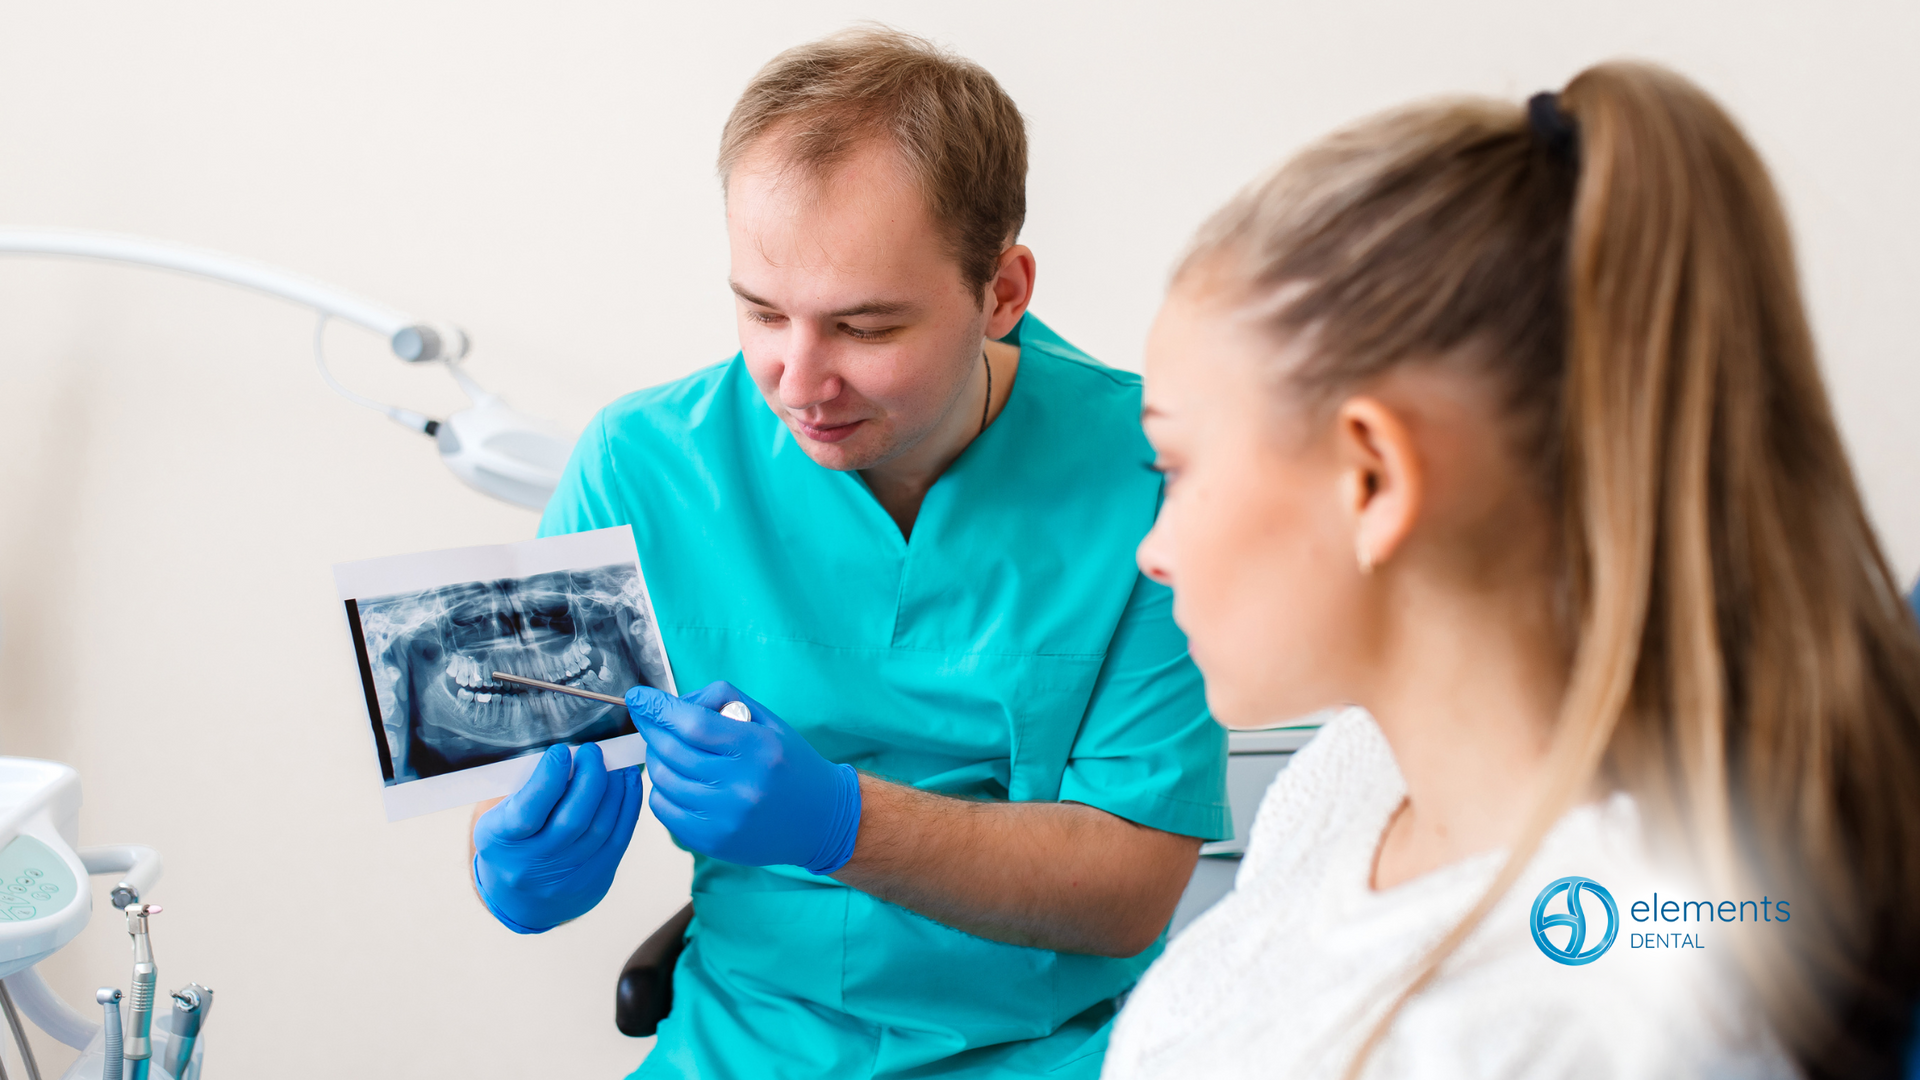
x=443 y=709
x=563 y=668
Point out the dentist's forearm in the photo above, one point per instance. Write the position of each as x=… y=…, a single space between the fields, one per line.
x=1060 y=876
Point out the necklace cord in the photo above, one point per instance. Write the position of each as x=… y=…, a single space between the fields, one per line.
x=987 y=404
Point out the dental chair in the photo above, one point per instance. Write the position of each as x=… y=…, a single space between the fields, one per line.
x=644 y=994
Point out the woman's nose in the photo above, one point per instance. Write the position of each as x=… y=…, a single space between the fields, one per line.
x=1153 y=558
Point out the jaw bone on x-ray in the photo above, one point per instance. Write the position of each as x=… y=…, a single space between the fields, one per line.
x=441 y=647
x=429 y=631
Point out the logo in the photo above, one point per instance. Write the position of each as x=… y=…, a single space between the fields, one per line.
x=1574 y=949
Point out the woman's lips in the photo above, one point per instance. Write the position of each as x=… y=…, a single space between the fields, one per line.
x=827 y=433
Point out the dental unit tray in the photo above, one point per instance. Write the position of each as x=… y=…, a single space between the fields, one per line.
x=42 y=904
x=45 y=901
x=42 y=901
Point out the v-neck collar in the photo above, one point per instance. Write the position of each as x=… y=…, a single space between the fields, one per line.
x=937 y=506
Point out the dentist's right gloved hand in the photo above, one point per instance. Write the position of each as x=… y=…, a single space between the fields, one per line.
x=753 y=793
x=548 y=852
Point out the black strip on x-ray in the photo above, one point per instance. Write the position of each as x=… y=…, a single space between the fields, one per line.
x=373 y=696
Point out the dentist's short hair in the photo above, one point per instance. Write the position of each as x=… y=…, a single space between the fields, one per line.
x=953 y=125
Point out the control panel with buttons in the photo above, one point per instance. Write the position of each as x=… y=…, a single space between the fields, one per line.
x=34 y=882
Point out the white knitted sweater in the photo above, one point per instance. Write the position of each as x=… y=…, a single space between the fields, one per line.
x=1285 y=977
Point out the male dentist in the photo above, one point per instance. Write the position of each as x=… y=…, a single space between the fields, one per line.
x=979 y=764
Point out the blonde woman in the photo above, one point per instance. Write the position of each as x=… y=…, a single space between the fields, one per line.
x=1504 y=424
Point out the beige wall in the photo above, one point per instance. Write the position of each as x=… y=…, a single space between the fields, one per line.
x=174 y=481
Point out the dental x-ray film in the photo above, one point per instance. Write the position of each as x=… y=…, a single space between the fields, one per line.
x=430 y=630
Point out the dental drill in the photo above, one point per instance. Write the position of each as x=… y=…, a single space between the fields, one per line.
x=732 y=710
x=190 y=1008
x=114 y=1066
x=139 y=1050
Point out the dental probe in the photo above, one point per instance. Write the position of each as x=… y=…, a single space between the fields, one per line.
x=733 y=710
x=113 y=1066
x=609 y=698
x=190 y=1008
x=140 y=1019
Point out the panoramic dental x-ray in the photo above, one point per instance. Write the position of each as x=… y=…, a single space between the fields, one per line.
x=434 y=652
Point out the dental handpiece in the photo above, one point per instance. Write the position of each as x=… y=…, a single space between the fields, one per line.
x=113 y=1066
x=735 y=710
x=145 y=975
x=190 y=1008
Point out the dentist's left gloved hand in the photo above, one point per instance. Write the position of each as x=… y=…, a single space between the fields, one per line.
x=754 y=793
x=548 y=852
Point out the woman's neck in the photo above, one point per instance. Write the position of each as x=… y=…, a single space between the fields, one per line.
x=1467 y=694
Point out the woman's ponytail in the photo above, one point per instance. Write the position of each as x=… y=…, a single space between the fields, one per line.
x=1728 y=566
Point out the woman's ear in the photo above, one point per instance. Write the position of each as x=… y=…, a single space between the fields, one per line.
x=1380 y=477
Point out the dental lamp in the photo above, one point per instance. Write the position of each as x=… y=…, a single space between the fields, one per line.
x=495 y=449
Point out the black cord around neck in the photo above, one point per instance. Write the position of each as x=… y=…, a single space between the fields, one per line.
x=987 y=404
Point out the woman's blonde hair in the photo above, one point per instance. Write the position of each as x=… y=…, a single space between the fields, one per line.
x=1620 y=270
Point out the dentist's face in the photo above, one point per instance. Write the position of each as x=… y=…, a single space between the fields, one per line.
x=854 y=318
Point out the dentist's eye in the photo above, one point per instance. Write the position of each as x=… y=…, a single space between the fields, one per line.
x=861 y=333
x=766 y=318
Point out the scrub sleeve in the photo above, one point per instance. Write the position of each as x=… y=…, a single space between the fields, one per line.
x=1010 y=650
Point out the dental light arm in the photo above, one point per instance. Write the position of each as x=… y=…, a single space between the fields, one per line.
x=411 y=339
x=493 y=448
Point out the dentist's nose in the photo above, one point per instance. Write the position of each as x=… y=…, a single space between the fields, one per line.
x=809 y=377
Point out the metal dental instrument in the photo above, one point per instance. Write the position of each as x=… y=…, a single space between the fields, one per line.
x=190 y=1008
x=140 y=1019
x=734 y=710
x=609 y=698
x=114 y=1066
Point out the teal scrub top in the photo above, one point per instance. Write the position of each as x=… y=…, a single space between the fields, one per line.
x=1010 y=650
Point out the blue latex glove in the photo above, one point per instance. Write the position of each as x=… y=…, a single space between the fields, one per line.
x=548 y=852
x=750 y=793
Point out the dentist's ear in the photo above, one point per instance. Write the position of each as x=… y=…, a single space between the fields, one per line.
x=1010 y=291
x=1381 y=483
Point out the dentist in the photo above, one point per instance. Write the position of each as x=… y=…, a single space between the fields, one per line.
x=980 y=764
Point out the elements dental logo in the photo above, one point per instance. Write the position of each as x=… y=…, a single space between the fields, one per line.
x=1574 y=950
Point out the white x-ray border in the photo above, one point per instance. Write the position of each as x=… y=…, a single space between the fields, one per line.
x=453 y=566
